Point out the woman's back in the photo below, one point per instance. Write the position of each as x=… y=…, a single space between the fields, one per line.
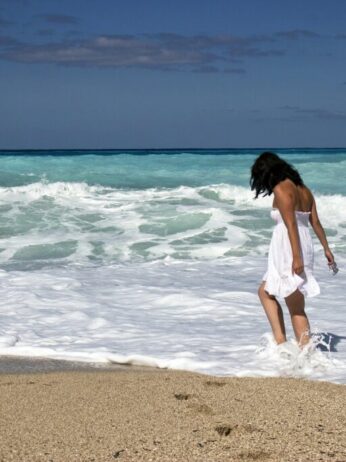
x=303 y=197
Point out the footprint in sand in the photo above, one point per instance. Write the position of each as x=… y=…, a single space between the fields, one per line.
x=223 y=430
x=213 y=383
x=182 y=396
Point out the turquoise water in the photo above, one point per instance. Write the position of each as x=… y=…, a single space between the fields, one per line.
x=164 y=169
x=85 y=207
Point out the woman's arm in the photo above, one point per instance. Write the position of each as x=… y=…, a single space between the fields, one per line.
x=285 y=199
x=320 y=233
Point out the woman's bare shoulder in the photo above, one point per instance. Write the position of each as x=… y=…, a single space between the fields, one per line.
x=285 y=186
x=284 y=193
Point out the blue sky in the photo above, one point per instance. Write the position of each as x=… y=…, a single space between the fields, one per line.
x=152 y=74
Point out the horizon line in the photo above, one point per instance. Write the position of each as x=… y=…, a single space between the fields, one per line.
x=170 y=149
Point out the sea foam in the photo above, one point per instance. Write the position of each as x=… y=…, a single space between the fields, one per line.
x=156 y=261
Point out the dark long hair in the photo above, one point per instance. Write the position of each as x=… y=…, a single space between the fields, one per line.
x=268 y=170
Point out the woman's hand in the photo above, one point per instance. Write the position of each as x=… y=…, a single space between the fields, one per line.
x=329 y=257
x=297 y=265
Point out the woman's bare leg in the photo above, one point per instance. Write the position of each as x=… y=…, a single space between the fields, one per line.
x=274 y=314
x=296 y=305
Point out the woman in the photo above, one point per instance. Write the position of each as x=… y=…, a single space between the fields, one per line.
x=290 y=259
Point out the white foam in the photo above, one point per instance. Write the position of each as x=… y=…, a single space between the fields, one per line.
x=7 y=340
x=78 y=287
x=35 y=191
x=195 y=315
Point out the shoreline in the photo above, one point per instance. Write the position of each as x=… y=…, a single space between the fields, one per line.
x=35 y=365
x=136 y=413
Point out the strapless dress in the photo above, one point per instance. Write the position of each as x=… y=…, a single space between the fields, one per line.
x=279 y=280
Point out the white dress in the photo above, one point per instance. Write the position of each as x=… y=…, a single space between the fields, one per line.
x=279 y=278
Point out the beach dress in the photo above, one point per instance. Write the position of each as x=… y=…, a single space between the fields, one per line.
x=279 y=280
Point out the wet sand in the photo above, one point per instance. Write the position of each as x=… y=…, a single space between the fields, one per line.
x=145 y=414
x=24 y=365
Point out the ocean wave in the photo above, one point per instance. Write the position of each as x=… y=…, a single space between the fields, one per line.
x=219 y=191
x=34 y=191
x=67 y=222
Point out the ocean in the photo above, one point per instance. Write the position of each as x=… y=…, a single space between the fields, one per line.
x=154 y=257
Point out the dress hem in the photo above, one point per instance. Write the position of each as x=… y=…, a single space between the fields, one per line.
x=284 y=287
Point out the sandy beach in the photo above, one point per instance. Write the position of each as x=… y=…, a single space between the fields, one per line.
x=145 y=414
